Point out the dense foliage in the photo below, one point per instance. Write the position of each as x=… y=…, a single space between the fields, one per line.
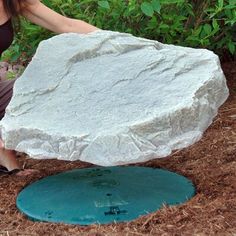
x=198 y=23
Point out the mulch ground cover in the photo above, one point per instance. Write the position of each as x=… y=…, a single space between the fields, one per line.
x=210 y=164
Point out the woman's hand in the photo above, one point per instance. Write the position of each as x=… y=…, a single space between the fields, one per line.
x=41 y=15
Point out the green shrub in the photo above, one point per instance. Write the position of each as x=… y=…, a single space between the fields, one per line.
x=206 y=24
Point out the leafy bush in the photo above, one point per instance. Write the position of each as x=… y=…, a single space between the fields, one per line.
x=197 y=23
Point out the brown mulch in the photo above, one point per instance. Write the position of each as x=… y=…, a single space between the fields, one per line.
x=210 y=164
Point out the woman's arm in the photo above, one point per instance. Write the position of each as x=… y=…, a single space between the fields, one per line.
x=41 y=15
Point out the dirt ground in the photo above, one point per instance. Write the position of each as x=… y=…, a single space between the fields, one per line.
x=210 y=164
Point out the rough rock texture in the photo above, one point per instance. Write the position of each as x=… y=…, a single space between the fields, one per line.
x=110 y=98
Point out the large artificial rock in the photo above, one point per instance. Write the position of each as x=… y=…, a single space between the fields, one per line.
x=111 y=98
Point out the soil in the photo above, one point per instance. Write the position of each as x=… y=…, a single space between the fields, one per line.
x=210 y=164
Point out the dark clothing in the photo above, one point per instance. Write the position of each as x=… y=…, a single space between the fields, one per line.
x=6 y=89
x=6 y=86
x=6 y=35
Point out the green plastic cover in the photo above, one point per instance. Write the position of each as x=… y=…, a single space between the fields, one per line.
x=103 y=195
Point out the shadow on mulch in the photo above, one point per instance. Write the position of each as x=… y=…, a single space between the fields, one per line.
x=210 y=164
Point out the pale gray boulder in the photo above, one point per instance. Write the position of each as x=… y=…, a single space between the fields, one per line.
x=110 y=98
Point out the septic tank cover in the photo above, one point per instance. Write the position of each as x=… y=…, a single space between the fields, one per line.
x=103 y=195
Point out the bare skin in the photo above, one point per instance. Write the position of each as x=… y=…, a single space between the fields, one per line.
x=8 y=159
x=41 y=15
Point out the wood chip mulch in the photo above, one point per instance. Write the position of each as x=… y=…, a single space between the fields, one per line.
x=210 y=164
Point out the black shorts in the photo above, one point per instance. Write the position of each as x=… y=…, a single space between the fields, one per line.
x=6 y=90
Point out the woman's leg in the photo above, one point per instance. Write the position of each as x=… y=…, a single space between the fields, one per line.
x=7 y=157
x=6 y=90
x=9 y=161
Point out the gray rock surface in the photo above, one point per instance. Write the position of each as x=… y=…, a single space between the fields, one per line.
x=111 y=98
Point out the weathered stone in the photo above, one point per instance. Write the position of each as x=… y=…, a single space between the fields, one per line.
x=110 y=98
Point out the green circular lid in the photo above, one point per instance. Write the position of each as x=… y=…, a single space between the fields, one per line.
x=103 y=195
